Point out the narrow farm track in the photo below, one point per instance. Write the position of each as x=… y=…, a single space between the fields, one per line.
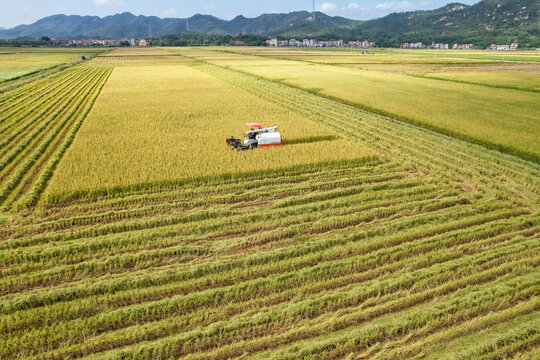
x=432 y=242
x=35 y=129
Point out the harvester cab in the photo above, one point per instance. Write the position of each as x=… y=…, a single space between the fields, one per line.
x=257 y=137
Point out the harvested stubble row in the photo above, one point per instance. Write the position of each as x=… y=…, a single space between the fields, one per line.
x=39 y=127
x=206 y=285
x=429 y=245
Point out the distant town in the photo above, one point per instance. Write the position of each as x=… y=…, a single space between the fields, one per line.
x=419 y=45
x=285 y=43
x=98 y=43
x=318 y=43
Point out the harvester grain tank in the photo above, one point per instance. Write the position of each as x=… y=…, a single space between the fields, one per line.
x=257 y=137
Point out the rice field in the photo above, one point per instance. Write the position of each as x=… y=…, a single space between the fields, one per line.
x=503 y=118
x=19 y=62
x=167 y=123
x=393 y=242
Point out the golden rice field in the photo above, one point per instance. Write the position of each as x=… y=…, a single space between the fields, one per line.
x=497 y=117
x=19 y=62
x=170 y=122
x=129 y=230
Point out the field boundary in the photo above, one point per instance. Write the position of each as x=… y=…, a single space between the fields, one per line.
x=427 y=76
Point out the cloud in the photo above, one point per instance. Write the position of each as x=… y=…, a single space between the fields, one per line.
x=403 y=5
x=352 y=6
x=327 y=6
x=170 y=12
x=109 y=2
x=385 y=5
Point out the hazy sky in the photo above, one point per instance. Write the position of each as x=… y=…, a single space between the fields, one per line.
x=18 y=12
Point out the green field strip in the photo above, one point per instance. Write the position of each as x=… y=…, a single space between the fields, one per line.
x=470 y=335
x=323 y=300
x=196 y=192
x=171 y=322
x=331 y=221
x=40 y=253
x=270 y=195
x=149 y=188
x=359 y=335
x=230 y=247
x=91 y=249
x=265 y=325
x=131 y=317
x=281 y=260
x=350 y=268
x=195 y=215
x=250 y=181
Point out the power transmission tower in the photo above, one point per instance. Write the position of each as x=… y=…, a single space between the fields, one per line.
x=187 y=25
x=313 y=8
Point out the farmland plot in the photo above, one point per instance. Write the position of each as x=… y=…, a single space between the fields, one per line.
x=428 y=249
x=170 y=122
x=503 y=118
x=15 y=62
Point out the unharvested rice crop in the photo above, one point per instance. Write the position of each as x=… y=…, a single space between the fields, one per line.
x=429 y=249
x=163 y=123
x=502 y=118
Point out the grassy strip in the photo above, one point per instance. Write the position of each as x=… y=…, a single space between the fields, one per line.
x=293 y=258
x=427 y=76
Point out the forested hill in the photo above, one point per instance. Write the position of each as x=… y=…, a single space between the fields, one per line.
x=130 y=26
x=488 y=21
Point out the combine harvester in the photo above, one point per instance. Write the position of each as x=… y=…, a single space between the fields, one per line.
x=262 y=137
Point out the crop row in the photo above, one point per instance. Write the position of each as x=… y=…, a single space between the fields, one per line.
x=332 y=269
x=495 y=257
x=312 y=222
x=33 y=137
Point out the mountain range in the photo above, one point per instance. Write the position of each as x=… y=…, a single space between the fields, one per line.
x=488 y=21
